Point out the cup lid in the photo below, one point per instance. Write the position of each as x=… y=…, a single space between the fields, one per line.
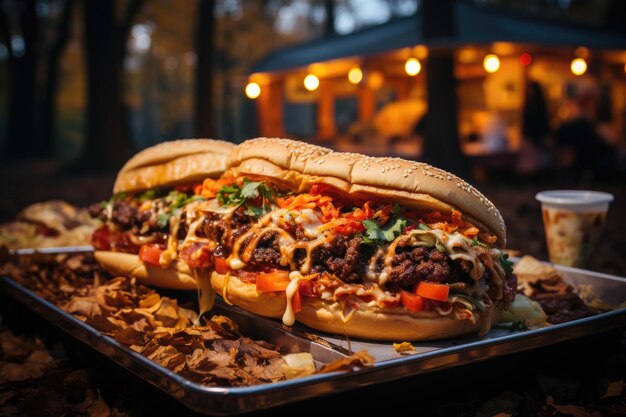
x=574 y=197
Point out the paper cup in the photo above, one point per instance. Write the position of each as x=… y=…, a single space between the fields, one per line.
x=573 y=222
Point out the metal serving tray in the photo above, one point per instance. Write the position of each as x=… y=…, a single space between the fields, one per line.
x=389 y=365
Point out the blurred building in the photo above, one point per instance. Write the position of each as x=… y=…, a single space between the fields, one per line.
x=366 y=91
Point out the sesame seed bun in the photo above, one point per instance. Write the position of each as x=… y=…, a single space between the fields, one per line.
x=173 y=162
x=417 y=185
x=177 y=276
x=374 y=323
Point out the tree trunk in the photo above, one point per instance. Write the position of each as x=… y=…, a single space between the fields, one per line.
x=22 y=112
x=107 y=142
x=205 y=40
x=48 y=133
x=441 y=136
x=329 y=25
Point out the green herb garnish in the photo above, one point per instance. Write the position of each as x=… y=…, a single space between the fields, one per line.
x=163 y=219
x=387 y=233
x=119 y=196
x=151 y=194
x=248 y=196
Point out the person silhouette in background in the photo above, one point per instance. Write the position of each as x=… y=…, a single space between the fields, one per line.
x=582 y=151
x=535 y=154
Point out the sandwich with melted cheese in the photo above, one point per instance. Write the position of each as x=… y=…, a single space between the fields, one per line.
x=148 y=212
x=375 y=248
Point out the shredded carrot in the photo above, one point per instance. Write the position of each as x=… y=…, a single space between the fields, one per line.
x=457 y=218
x=210 y=187
x=470 y=231
x=490 y=239
x=445 y=226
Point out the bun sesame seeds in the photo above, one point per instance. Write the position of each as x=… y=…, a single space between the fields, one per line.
x=414 y=184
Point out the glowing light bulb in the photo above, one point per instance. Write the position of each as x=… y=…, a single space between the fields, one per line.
x=491 y=63
x=578 y=66
x=253 y=90
x=525 y=59
x=375 y=80
x=311 y=82
x=355 y=75
x=412 y=66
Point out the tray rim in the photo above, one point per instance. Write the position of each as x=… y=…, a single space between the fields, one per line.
x=382 y=371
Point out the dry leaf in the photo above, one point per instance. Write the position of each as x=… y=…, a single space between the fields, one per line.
x=404 y=348
x=358 y=360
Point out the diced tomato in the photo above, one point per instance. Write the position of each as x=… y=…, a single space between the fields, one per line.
x=197 y=255
x=457 y=218
x=322 y=189
x=433 y=290
x=151 y=254
x=221 y=265
x=272 y=281
x=306 y=288
x=184 y=188
x=351 y=228
x=101 y=238
x=412 y=301
x=296 y=302
x=409 y=228
x=385 y=211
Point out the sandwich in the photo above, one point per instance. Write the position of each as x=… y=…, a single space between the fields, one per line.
x=147 y=214
x=374 y=248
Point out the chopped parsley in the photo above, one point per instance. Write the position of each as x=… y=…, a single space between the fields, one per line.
x=119 y=196
x=476 y=242
x=176 y=199
x=376 y=234
x=151 y=194
x=249 y=195
x=163 y=219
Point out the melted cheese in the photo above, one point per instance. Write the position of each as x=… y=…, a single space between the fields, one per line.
x=206 y=293
x=289 y=317
x=310 y=223
x=225 y=289
x=171 y=250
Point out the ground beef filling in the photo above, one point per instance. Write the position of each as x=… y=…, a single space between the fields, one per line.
x=223 y=231
x=418 y=264
x=348 y=258
x=127 y=216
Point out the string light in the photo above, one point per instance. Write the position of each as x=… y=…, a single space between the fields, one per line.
x=491 y=63
x=412 y=66
x=578 y=66
x=253 y=90
x=355 y=75
x=375 y=80
x=311 y=82
x=525 y=59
